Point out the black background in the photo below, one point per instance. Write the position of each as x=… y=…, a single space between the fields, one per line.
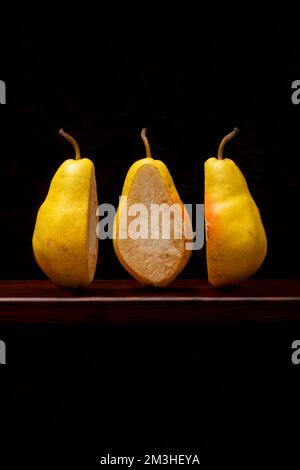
x=189 y=82
x=228 y=393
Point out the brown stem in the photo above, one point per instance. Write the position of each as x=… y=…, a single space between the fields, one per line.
x=73 y=142
x=226 y=139
x=145 y=140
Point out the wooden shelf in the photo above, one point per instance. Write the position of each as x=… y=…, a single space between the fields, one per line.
x=126 y=302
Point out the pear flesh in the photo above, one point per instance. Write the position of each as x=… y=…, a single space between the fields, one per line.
x=65 y=243
x=153 y=261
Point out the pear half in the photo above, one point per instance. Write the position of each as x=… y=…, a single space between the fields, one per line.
x=159 y=252
x=236 y=242
x=65 y=243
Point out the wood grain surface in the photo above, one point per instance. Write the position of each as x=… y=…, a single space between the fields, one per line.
x=125 y=301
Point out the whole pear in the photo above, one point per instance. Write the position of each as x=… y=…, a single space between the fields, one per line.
x=236 y=242
x=157 y=258
x=64 y=242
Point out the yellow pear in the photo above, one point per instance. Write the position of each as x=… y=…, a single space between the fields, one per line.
x=160 y=247
x=64 y=242
x=236 y=243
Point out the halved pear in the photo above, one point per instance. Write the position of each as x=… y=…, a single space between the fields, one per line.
x=154 y=246
x=65 y=243
x=236 y=242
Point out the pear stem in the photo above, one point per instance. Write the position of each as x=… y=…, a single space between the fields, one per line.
x=146 y=142
x=226 y=139
x=73 y=142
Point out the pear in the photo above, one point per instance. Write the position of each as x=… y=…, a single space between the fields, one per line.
x=157 y=254
x=236 y=242
x=64 y=242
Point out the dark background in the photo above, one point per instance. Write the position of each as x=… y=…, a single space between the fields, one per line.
x=229 y=393
x=190 y=82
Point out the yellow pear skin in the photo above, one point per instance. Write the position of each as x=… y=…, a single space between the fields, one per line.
x=64 y=242
x=155 y=262
x=236 y=242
